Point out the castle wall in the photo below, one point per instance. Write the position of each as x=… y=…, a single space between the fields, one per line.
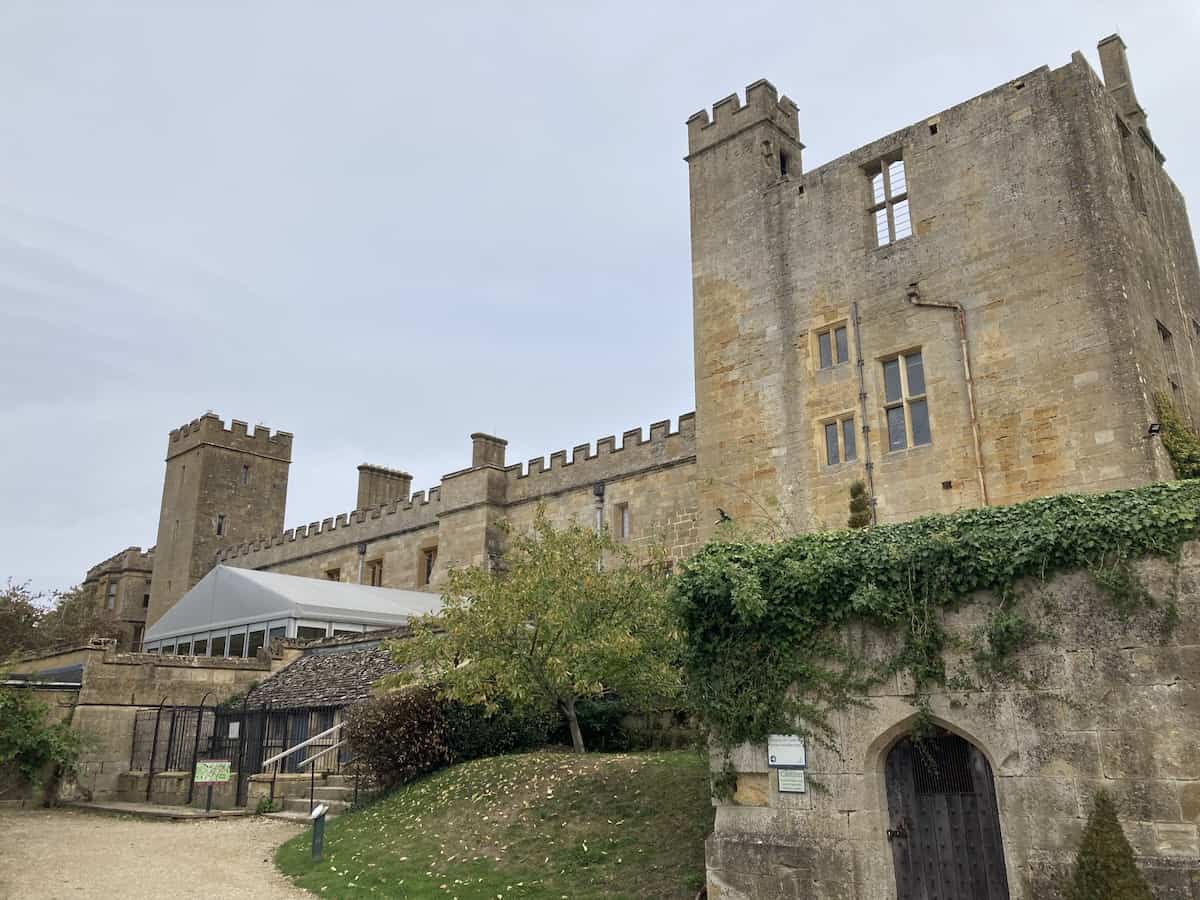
x=1108 y=704
x=652 y=471
x=1019 y=207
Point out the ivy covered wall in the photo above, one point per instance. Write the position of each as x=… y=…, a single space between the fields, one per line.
x=1061 y=637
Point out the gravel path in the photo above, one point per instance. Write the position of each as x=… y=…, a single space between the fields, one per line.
x=62 y=853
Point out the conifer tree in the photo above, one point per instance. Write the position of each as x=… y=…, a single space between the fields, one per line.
x=1104 y=866
x=860 y=507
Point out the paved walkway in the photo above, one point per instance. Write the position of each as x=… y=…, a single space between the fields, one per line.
x=66 y=853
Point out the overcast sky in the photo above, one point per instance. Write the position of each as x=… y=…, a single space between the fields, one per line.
x=382 y=226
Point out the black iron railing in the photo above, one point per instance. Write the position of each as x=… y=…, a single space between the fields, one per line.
x=172 y=738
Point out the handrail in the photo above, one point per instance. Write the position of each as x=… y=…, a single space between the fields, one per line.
x=322 y=753
x=289 y=750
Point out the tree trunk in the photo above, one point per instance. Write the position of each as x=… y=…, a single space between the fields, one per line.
x=568 y=709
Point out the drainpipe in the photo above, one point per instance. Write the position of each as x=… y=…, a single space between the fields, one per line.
x=862 y=405
x=362 y=558
x=914 y=297
x=598 y=494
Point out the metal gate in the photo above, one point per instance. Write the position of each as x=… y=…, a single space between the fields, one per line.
x=944 y=825
x=172 y=738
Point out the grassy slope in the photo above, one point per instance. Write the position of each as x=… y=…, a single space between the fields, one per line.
x=540 y=825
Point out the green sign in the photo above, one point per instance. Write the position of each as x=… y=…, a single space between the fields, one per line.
x=212 y=771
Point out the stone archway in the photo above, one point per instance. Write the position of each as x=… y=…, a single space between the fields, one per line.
x=943 y=822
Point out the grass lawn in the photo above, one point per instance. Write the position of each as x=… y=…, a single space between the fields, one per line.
x=544 y=825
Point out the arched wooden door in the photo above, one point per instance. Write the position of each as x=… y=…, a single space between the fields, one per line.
x=943 y=825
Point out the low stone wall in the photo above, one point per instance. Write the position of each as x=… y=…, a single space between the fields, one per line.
x=116 y=685
x=171 y=789
x=279 y=789
x=1107 y=704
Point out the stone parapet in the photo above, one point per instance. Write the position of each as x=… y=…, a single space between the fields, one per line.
x=210 y=429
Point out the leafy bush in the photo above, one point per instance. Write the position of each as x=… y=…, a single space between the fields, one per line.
x=860 y=506
x=759 y=619
x=600 y=721
x=400 y=736
x=471 y=733
x=403 y=735
x=27 y=743
x=1104 y=866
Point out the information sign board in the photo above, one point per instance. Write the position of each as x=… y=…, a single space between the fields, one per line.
x=792 y=781
x=786 y=751
x=212 y=771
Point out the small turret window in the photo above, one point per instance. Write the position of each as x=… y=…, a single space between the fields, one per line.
x=220 y=525
x=244 y=477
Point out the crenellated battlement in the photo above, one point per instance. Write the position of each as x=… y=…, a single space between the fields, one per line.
x=131 y=559
x=419 y=510
x=730 y=116
x=638 y=451
x=210 y=429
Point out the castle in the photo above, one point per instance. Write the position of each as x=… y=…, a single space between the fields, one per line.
x=976 y=309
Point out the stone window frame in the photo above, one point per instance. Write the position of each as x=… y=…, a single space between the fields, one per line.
x=895 y=224
x=373 y=572
x=905 y=401
x=332 y=574
x=830 y=329
x=1170 y=361
x=622 y=522
x=839 y=421
x=427 y=555
x=111 y=590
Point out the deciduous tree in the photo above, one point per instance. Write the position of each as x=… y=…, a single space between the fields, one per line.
x=571 y=615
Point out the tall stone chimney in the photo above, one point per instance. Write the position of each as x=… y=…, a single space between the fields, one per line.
x=487 y=450
x=1118 y=80
x=377 y=485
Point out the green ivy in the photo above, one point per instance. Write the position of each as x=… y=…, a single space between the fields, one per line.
x=1181 y=442
x=759 y=619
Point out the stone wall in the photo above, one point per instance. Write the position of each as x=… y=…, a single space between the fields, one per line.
x=1024 y=214
x=652 y=472
x=1106 y=704
x=171 y=789
x=114 y=686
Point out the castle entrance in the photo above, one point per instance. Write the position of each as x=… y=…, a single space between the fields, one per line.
x=943 y=824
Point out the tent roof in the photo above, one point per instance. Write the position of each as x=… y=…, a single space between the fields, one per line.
x=227 y=597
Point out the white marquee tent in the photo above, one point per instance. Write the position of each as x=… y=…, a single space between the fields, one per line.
x=234 y=612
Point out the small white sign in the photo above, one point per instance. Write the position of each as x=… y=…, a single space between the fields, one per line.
x=786 y=750
x=235 y=729
x=791 y=781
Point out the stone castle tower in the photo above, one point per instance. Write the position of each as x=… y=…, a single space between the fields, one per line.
x=222 y=487
x=974 y=310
